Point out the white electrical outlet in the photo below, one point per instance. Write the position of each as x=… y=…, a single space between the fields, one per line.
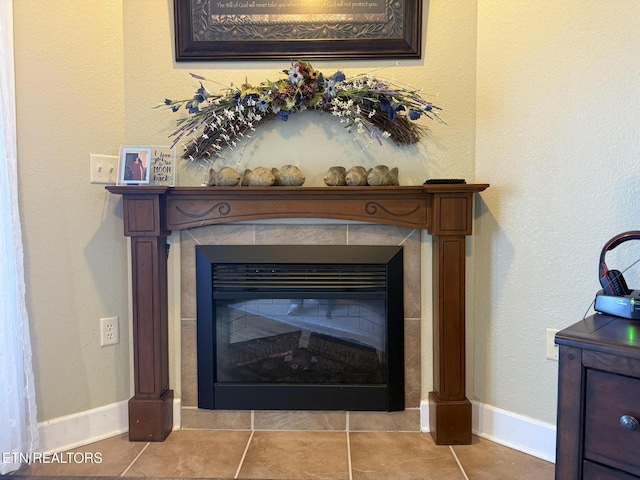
x=552 y=348
x=109 y=331
x=102 y=168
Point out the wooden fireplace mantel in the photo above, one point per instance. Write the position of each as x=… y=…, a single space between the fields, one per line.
x=150 y=213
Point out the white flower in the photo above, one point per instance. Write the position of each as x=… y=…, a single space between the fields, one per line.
x=295 y=76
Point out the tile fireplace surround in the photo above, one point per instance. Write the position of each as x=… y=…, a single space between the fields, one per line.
x=394 y=216
x=325 y=234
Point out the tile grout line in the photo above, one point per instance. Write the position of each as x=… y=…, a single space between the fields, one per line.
x=406 y=238
x=349 y=456
x=453 y=452
x=244 y=454
x=135 y=460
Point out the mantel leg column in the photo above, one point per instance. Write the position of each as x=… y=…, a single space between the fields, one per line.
x=151 y=408
x=449 y=409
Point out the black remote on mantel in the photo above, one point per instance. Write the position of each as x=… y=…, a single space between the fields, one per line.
x=434 y=181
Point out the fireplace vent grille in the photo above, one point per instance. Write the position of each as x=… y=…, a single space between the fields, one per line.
x=249 y=277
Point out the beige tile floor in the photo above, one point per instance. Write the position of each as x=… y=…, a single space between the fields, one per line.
x=300 y=455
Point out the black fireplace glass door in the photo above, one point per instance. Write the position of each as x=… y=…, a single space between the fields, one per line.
x=301 y=340
x=291 y=327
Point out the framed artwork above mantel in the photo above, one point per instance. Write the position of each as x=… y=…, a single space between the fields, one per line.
x=210 y=30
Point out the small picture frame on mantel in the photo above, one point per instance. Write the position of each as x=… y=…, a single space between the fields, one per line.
x=147 y=165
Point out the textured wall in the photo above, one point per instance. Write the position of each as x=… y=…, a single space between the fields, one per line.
x=557 y=138
x=70 y=103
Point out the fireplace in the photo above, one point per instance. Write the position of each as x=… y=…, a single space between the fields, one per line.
x=151 y=213
x=293 y=327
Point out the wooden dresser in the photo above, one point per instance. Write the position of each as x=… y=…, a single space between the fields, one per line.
x=598 y=433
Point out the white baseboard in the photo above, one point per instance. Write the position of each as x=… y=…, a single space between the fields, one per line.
x=82 y=428
x=512 y=430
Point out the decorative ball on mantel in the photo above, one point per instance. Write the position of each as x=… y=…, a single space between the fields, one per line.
x=288 y=176
x=356 y=176
x=381 y=175
x=260 y=177
x=226 y=177
x=335 y=177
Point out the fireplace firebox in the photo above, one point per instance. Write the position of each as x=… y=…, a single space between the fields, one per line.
x=291 y=327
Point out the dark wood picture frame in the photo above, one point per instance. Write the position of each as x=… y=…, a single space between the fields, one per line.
x=199 y=37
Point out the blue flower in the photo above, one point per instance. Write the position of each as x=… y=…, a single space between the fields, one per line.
x=192 y=106
x=330 y=89
x=262 y=104
x=283 y=115
x=414 y=114
x=167 y=101
x=338 y=77
x=391 y=110
x=201 y=94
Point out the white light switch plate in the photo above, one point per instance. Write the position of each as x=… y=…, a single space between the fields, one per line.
x=103 y=168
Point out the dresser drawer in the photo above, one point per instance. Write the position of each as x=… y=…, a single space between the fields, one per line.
x=609 y=397
x=593 y=471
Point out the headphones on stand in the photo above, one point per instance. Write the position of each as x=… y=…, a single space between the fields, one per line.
x=616 y=298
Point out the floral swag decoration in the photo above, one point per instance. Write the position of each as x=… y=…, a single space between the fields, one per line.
x=374 y=108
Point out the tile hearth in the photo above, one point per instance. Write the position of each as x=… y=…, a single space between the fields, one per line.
x=301 y=455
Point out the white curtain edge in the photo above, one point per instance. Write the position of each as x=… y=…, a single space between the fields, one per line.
x=26 y=439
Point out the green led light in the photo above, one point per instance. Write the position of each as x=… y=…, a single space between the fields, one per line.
x=631 y=333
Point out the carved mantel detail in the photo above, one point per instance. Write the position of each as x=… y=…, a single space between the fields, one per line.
x=151 y=213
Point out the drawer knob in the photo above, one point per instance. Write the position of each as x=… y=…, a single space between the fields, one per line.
x=629 y=423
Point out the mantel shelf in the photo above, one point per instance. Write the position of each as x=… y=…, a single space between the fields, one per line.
x=407 y=206
x=150 y=213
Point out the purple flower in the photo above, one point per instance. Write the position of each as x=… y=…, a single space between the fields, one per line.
x=167 y=101
x=414 y=114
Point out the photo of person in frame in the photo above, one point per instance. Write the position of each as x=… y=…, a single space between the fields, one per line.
x=135 y=166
